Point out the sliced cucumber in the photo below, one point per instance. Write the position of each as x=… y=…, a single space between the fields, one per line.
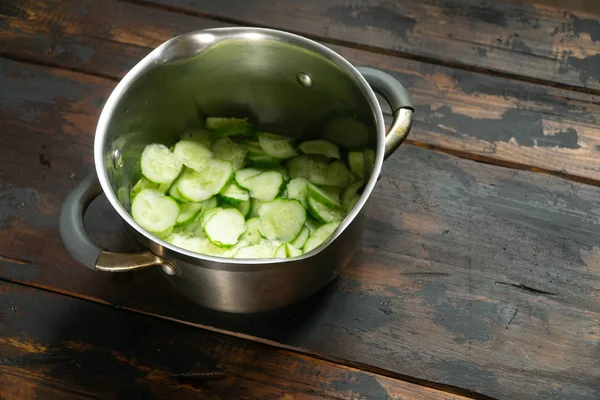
x=299 y=240
x=323 y=213
x=192 y=154
x=265 y=186
x=155 y=212
x=338 y=175
x=225 y=227
x=350 y=193
x=158 y=164
x=347 y=132
x=292 y=251
x=210 y=203
x=320 y=147
x=234 y=195
x=242 y=175
x=174 y=192
x=281 y=251
x=296 y=189
x=356 y=161
x=245 y=207
x=187 y=213
x=201 y=185
x=207 y=215
x=255 y=207
x=319 y=236
x=186 y=242
x=312 y=224
x=253 y=147
x=144 y=183
x=263 y=161
x=226 y=149
x=281 y=219
x=252 y=234
x=299 y=166
x=202 y=136
x=264 y=249
x=276 y=146
x=323 y=197
x=229 y=126
x=283 y=171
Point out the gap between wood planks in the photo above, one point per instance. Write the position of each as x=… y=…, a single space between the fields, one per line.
x=295 y=350
x=375 y=49
x=436 y=148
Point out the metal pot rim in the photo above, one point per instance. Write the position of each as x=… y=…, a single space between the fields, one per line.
x=206 y=39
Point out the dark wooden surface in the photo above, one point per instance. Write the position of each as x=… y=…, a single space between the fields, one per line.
x=81 y=350
x=476 y=271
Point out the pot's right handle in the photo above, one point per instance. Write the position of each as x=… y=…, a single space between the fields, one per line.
x=84 y=250
x=398 y=98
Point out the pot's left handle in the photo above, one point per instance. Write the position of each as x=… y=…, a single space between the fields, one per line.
x=87 y=252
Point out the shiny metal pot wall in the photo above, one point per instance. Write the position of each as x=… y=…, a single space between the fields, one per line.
x=284 y=84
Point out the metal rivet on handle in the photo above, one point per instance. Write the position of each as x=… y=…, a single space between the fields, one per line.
x=169 y=269
x=304 y=79
x=117 y=159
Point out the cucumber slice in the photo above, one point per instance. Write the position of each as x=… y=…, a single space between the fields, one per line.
x=276 y=146
x=229 y=126
x=210 y=203
x=350 y=193
x=192 y=154
x=187 y=213
x=226 y=149
x=356 y=161
x=144 y=183
x=252 y=234
x=264 y=249
x=299 y=240
x=207 y=215
x=319 y=236
x=225 y=226
x=312 y=224
x=265 y=186
x=255 y=207
x=352 y=202
x=296 y=189
x=320 y=147
x=201 y=185
x=245 y=207
x=234 y=195
x=283 y=171
x=281 y=251
x=263 y=161
x=158 y=164
x=323 y=213
x=186 y=242
x=202 y=136
x=281 y=219
x=253 y=147
x=338 y=175
x=347 y=132
x=369 y=161
x=292 y=251
x=322 y=197
x=174 y=192
x=155 y=212
x=242 y=175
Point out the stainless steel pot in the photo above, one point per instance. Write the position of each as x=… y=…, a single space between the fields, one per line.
x=285 y=84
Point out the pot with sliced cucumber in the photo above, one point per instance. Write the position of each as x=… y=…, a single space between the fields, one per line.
x=245 y=183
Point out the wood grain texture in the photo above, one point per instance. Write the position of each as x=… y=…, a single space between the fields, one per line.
x=469 y=275
x=55 y=347
x=530 y=40
x=474 y=115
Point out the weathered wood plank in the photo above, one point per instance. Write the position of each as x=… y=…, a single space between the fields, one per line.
x=480 y=116
x=469 y=275
x=531 y=40
x=55 y=347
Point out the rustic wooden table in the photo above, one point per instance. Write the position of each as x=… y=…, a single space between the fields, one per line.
x=479 y=273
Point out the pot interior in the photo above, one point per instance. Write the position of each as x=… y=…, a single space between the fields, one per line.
x=247 y=75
